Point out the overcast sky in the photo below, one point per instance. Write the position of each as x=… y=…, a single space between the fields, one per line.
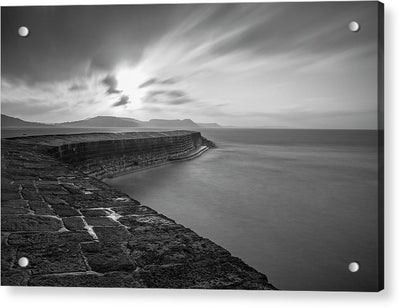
x=276 y=64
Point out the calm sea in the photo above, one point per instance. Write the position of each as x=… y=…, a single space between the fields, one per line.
x=297 y=205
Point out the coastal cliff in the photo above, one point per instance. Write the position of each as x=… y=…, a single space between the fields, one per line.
x=109 y=154
x=78 y=231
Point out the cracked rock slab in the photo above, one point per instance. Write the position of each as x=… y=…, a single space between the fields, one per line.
x=107 y=258
x=46 y=258
x=29 y=223
x=108 y=280
x=74 y=223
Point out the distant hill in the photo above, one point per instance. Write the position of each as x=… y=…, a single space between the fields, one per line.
x=7 y=121
x=170 y=123
x=109 y=121
x=209 y=125
x=103 y=121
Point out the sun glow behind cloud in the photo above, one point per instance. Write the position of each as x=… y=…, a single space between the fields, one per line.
x=129 y=80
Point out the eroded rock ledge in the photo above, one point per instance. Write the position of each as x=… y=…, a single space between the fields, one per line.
x=78 y=231
x=109 y=154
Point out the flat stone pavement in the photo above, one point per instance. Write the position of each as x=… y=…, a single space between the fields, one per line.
x=77 y=231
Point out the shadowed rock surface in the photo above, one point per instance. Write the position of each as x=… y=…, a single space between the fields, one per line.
x=78 y=231
x=108 y=154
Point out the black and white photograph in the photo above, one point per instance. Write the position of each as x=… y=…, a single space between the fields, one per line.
x=193 y=146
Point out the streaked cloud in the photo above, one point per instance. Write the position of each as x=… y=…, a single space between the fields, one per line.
x=111 y=82
x=155 y=81
x=123 y=100
x=78 y=87
x=167 y=97
x=148 y=83
x=289 y=64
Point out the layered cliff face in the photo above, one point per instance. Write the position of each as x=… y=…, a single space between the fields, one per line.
x=78 y=231
x=105 y=154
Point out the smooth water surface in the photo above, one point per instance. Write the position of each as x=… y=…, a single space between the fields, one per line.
x=297 y=205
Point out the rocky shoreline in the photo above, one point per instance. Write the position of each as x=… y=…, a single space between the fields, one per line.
x=77 y=231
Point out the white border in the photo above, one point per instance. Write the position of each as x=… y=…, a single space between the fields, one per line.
x=78 y=297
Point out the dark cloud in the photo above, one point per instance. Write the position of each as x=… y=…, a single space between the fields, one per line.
x=64 y=40
x=155 y=81
x=167 y=97
x=101 y=63
x=152 y=96
x=148 y=83
x=111 y=82
x=169 y=81
x=156 y=93
x=124 y=100
x=180 y=101
x=78 y=87
x=176 y=93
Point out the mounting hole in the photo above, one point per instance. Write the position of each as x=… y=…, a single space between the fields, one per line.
x=354 y=26
x=23 y=262
x=23 y=31
x=354 y=267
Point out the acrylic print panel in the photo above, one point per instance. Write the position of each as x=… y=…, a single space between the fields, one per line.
x=211 y=146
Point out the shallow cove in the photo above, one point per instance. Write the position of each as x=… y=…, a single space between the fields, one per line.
x=297 y=205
